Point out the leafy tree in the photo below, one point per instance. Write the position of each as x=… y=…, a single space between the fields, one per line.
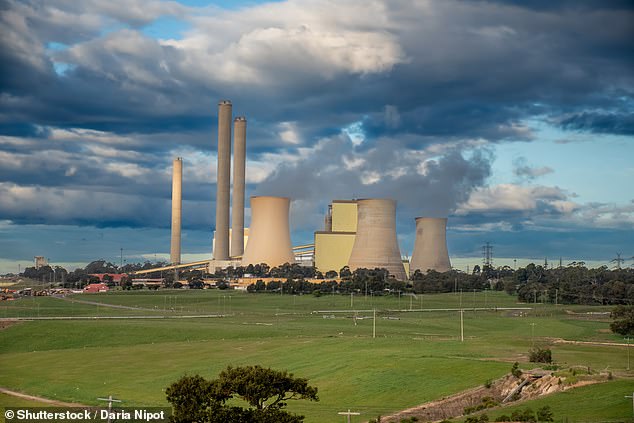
x=526 y=415
x=331 y=274
x=267 y=391
x=623 y=320
x=540 y=355
x=515 y=370
x=545 y=414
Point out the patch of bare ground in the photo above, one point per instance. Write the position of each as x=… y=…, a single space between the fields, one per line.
x=506 y=390
x=6 y=323
x=40 y=399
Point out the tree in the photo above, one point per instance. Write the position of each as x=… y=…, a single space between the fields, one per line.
x=623 y=320
x=540 y=355
x=545 y=414
x=267 y=392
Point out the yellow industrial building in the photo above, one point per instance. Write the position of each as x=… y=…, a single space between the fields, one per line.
x=334 y=244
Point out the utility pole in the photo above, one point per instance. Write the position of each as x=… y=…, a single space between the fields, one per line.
x=351 y=300
x=532 y=335
x=348 y=414
x=374 y=325
x=461 y=325
x=110 y=401
x=121 y=259
x=628 y=354
x=631 y=396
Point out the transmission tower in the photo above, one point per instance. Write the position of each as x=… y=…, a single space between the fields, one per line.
x=487 y=255
x=618 y=260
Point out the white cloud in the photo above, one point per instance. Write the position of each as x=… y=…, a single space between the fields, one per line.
x=512 y=197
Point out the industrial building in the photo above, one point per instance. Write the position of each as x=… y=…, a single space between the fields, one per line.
x=334 y=244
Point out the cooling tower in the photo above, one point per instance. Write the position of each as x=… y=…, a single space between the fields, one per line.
x=237 y=205
x=177 y=183
x=269 y=234
x=430 y=247
x=221 y=247
x=375 y=244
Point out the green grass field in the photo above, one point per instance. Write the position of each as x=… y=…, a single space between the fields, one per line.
x=416 y=356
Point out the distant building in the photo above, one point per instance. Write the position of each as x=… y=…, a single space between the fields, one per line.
x=40 y=261
x=334 y=244
x=94 y=288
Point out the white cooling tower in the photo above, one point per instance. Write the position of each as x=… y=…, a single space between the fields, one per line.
x=430 y=247
x=375 y=244
x=269 y=234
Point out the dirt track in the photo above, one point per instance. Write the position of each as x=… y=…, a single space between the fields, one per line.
x=40 y=399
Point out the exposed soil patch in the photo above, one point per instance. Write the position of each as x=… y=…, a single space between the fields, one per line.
x=6 y=323
x=40 y=399
x=506 y=390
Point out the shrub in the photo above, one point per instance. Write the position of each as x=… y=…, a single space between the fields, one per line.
x=545 y=414
x=540 y=355
x=515 y=370
x=488 y=384
x=526 y=415
x=503 y=418
x=482 y=418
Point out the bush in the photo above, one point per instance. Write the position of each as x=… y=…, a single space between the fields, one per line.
x=482 y=418
x=503 y=418
x=515 y=370
x=545 y=414
x=488 y=384
x=540 y=355
x=526 y=415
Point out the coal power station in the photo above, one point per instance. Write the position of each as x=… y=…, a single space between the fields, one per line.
x=358 y=233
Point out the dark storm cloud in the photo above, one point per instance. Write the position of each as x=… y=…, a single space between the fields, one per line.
x=610 y=123
x=411 y=75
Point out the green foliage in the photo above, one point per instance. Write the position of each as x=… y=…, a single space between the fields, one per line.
x=488 y=384
x=482 y=418
x=623 y=320
x=540 y=355
x=515 y=370
x=503 y=418
x=545 y=414
x=525 y=415
x=267 y=391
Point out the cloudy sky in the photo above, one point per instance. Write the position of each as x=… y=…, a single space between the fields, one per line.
x=515 y=119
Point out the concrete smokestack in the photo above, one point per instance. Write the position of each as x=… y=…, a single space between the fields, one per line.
x=221 y=249
x=269 y=233
x=177 y=206
x=375 y=244
x=430 y=247
x=237 y=205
